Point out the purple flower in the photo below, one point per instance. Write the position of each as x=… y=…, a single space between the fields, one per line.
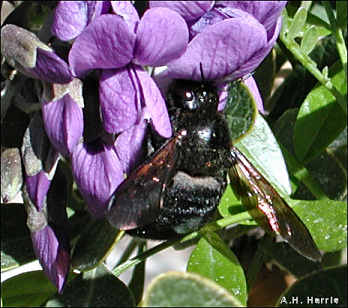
x=202 y=14
x=120 y=46
x=52 y=250
x=188 y=10
x=71 y=17
x=37 y=187
x=40 y=160
x=123 y=51
x=109 y=43
x=131 y=156
x=63 y=118
x=97 y=172
x=230 y=40
x=47 y=225
x=251 y=84
x=266 y=13
x=25 y=52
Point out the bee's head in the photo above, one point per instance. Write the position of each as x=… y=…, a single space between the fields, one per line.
x=192 y=95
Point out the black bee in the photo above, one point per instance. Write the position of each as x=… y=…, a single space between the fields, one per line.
x=177 y=190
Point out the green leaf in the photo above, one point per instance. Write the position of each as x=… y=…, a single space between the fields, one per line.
x=329 y=174
x=318 y=9
x=326 y=220
x=326 y=171
x=29 y=289
x=285 y=97
x=240 y=110
x=37 y=14
x=176 y=289
x=74 y=203
x=262 y=149
x=285 y=22
x=283 y=129
x=230 y=205
x=335 y=258
x=298 y=23
x=320 y=119
x=16 y=246
x=327 y=288
x=265 y=74
x=288 y=259
x=94 y=244
x=312 y=20
x=341 y=8
x=309 y=40
x=213 y=259
x=97 y=288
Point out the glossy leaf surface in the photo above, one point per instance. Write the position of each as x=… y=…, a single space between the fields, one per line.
x=213 y=259
x=186 y=289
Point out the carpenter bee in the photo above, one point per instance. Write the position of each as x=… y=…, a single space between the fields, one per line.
x=177 y=190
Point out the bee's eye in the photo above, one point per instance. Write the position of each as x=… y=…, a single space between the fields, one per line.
x=185 y=99
x=184 y=95
x=189 y=96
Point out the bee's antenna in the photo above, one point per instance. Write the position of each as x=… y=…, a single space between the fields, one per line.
x=201 y=67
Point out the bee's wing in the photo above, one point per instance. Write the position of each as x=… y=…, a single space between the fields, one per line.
x=268 y=208
x=137 y=201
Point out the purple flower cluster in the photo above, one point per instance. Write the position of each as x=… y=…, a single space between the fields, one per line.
x=133 y=59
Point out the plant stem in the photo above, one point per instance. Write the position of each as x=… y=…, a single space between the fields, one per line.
x=310 y=65
x=213 y=226
x=341 y=46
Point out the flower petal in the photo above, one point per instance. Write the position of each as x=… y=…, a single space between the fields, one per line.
x=97 y=172
x=63 y=120
x=256 y=58
x=119 y=99
x=213 y=16
x=188 y=10
x=50 y=68
x=155 y=103
x=24 y=51
x=107 y=42
x=157 y=48
x=129 y=144
x=223 y=95
x=70 y=19
x=254 y=89
x=52 y=249
x=19 y=46
x=37 y=187
x=272 y=35
x=128 y=12
x=266 y=12
x=100 y=8
x=224 y=49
